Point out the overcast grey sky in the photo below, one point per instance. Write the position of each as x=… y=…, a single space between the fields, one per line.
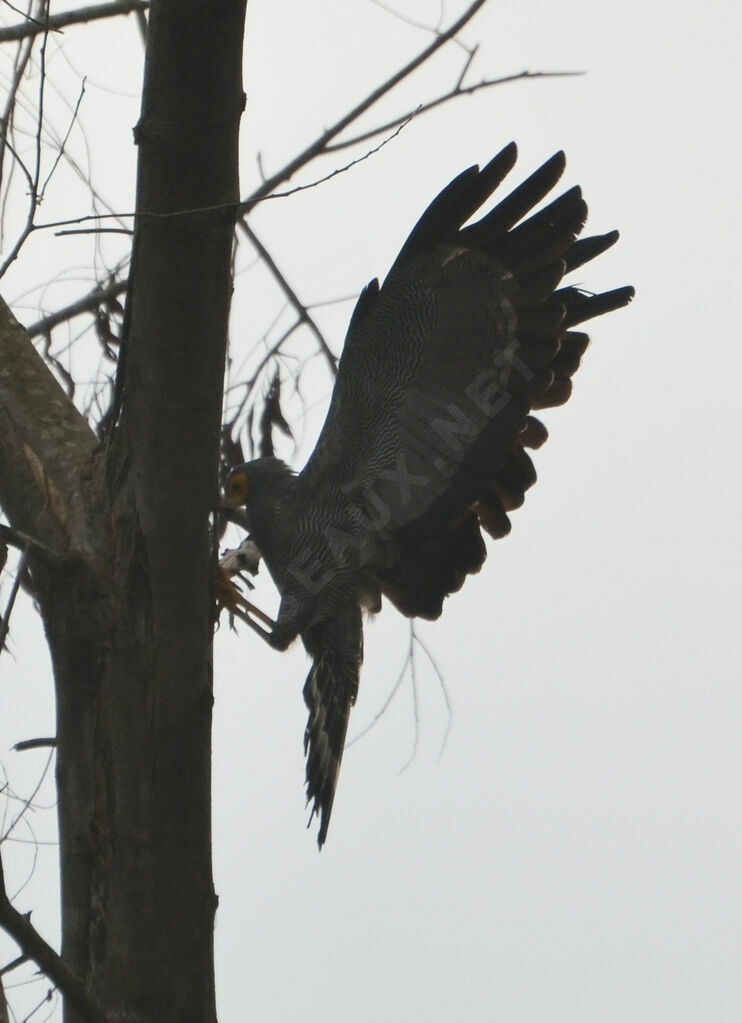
x=573 y=851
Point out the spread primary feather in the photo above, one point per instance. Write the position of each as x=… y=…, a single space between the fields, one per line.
x=427 y=436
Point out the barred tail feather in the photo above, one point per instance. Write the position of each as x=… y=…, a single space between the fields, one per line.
x=329 y=693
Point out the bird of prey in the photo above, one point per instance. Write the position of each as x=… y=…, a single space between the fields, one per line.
x=426 y=438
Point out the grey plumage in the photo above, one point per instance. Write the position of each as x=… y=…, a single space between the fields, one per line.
x=425 y=442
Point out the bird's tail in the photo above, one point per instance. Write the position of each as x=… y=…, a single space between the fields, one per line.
x=329 y=693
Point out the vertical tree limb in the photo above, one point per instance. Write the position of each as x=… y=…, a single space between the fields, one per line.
x=153 y=803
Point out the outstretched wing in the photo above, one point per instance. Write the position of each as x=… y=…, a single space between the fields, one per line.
x=442 y=366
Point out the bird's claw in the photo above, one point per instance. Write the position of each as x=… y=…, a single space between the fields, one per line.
x=246 y=557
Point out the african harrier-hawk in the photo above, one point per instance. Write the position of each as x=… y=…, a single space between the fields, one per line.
x=424 y=445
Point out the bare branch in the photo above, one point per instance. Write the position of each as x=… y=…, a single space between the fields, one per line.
x=4 y=1017
x=471 y=54
x=40 y=116
x=32 y=27
x=33 y=946
x=87 y=304
x=141 y=17
x=13 y=965
x=63 y=144
x=46 y=1000
x=24 y=169
x=33 y=180
x=21 y=62
x=441 y=681
x=319 y=146
x=404 y=18
x=455 y=93
x=340 y=170
x=385 y=705
x=249 y=385
x=272 y=351
x=301 y=309
x=47 y=742
x=26 y=803
x=44 y=443
x=409 y=663
x=5 y=620
x=415 y=706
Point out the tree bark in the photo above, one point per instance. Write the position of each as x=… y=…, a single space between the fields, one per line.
x=127 y=604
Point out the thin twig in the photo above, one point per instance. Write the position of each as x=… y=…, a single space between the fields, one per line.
x=385 y=705
x=23 y=542
x=338 y=170
x=301 y=309
x=141 y=17
x=261 y=194
x=409 y=663
x=19 y=69
x=21 y=930
x=31 y=27
x=19 y=160
x=40 y=118
x=470 y=55
x=24 y=744
x=4 y=1017
x=267 y=356
x=456 y=93
x=415 y=707
x=33 y=199
x=46 y=1000
x=441 y=681
x=13 y=965
x=27 y=802
x=88 y=303
x=404 y=18
x=316 y=148
x=319 y=146
x=95 y=230
x=5 y=622
x=249 y=385
x=17 y=10
x=64 y=141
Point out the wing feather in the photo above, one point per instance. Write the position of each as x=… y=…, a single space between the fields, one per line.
x=442 y=366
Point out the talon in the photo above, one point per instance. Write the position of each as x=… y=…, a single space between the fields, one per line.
x=245 y=558
x=229 y=597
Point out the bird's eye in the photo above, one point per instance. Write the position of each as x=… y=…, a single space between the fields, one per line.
x=237 y=489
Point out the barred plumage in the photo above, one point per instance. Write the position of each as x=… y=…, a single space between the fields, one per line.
x=425 y=442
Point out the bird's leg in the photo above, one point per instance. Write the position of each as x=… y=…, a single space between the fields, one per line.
x=244 y=612
x=229 y=597
x=245 y=608
x=277 y=635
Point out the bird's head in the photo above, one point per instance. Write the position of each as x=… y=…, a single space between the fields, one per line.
x=237 y=490
x=263 y=478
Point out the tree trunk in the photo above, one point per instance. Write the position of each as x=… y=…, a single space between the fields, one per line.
x=127 y=602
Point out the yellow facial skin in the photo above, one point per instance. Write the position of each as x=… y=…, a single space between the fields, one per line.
x=237 y=490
